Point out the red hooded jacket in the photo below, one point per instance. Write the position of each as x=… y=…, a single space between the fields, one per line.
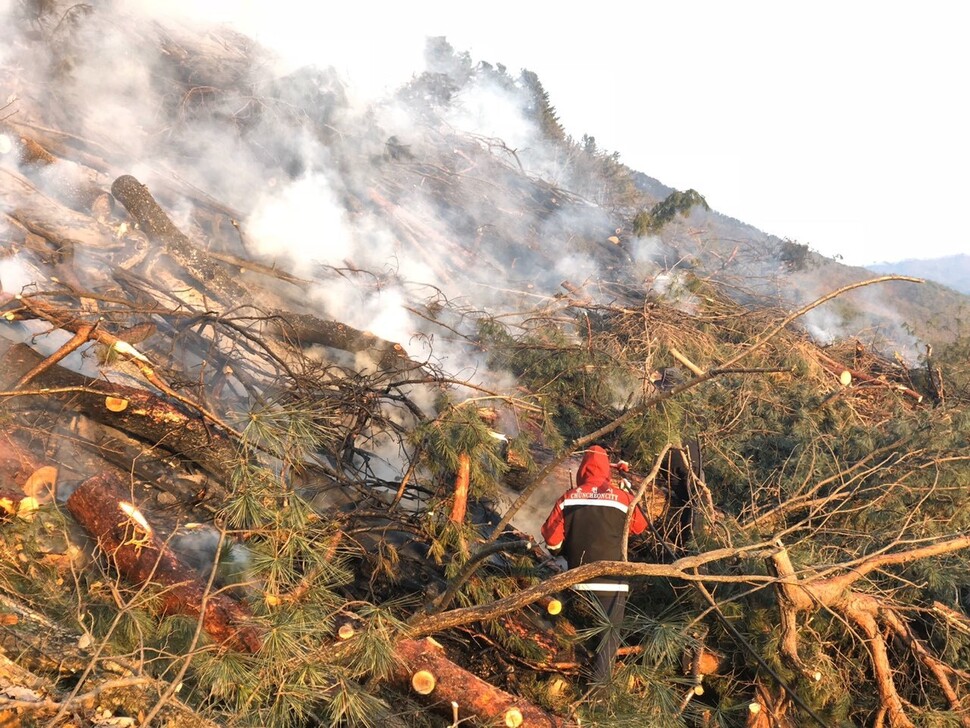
x=587 y=522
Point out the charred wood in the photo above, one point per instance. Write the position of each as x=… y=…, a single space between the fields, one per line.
x=159 y=227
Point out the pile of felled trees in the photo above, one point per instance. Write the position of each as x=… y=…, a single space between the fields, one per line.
x=171 y=404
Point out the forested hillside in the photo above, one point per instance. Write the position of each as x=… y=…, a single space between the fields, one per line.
x=290 y=377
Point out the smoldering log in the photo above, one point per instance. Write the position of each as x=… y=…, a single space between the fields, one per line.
x=159 y=227
x=475 y=697
x=103 y=506
x=145 y=416
x=305 y=329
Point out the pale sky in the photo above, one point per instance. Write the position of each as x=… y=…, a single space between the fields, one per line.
x=841 y=125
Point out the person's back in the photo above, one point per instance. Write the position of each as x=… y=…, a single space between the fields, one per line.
x=587 y=524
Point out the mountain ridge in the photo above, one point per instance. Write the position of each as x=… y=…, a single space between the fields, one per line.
x=952 y=271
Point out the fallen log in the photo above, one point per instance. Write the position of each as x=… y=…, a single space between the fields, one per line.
x=451 y=684
x=70 y=183
x=137 y=412
x=305 y=329
x=103 y=506
x=41 y=215
x=854 y=374
x=160 y=229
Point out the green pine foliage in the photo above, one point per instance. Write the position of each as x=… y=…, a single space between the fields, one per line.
x=676 y=203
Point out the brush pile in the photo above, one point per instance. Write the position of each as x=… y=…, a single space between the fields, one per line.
x=288 y=382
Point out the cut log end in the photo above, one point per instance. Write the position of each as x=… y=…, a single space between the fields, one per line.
x=423 y=682
x=115 y=404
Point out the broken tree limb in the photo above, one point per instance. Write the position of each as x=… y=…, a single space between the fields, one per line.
x=43 y=216
x=79 y=339
x=676 y=354
x=71 y=183
x=940 y=670
x=304 y=329
x=460 y=502
x=683 y=568
x=90 y=331
x=475 y=697
x=870 y=614
x=103 y=506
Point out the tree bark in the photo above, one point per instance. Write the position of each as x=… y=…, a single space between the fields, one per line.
x=871 y=615
x=102 y=505
x=460 y=502
x=71 y=183
x=147 y=417
x=475 y=697
x=303 y=329
x=160 y=229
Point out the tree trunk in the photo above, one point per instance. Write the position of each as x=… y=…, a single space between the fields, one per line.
x=103 y=506
x=144 y=416
x=475 y=697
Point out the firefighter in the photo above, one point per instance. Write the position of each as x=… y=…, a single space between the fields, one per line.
x=587 y=524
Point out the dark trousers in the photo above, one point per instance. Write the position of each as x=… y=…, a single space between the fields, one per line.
x=605 y=644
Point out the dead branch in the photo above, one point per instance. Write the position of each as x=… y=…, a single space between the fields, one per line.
x=66 y=320
x=306 y=329
x=682 y=568
x=836 y=368
x=867 y=612
x=80 y=338
x=647 y=482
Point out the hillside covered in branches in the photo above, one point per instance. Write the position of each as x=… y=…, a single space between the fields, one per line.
x=290 y=377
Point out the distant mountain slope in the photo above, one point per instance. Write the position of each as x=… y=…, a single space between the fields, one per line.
x=952 y=271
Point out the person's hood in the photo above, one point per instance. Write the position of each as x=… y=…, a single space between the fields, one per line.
x=594 y=469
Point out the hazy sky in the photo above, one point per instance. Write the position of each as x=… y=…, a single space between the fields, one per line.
x=842 y=125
